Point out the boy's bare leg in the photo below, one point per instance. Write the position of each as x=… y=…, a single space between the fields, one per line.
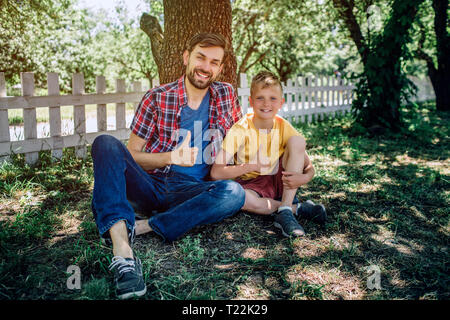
x=293 y=160
x=256 y=204
x=119 y=237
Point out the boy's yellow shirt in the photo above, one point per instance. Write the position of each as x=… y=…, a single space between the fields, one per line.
x=243 y=141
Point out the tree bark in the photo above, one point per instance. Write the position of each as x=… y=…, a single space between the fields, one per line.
x=182 y=20
x=442 y=74
x=345 y=8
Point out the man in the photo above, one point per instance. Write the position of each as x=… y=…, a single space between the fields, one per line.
x=156 y=174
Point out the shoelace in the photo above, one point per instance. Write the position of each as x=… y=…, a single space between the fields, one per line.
x=122 y=265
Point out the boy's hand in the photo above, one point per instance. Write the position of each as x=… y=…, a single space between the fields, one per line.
x=184 y=155
x=294 y=180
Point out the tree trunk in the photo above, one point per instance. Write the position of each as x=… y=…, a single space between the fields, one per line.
x=383 y=83
x=182 y=20
x=441 y=79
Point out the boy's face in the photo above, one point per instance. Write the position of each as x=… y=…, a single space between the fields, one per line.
x=203 y=65
x=266 y=101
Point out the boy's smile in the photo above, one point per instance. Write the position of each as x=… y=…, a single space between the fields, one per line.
x=266 y=102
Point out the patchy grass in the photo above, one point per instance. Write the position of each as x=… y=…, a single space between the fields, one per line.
x=387 y=197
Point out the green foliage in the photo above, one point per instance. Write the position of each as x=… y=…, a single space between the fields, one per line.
x=288 y=37
x=20 y=22
x=382 y=87
x=62 y=38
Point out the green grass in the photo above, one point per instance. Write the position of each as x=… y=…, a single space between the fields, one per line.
x=387 y=197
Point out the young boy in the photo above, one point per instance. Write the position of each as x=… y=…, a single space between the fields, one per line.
x=270 y=160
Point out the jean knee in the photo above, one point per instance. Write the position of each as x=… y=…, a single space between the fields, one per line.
x=106 y=144
x=231 y=190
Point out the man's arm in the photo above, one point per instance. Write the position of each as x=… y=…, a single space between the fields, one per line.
x=183 y=155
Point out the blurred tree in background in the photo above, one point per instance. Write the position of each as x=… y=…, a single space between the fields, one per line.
x=382 y=87
x=378 y=43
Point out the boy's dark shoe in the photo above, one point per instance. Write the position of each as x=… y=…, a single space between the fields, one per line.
x=128 y=277
x=289 y=226
x=311 y=211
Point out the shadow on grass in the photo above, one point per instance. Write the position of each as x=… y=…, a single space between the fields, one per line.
x=388 y=203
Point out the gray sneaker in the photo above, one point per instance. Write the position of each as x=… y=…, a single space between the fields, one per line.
x=286 y=222
x=128 y=277
x=311 y=211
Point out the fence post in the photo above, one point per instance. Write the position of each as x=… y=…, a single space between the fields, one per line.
x=100 y=86
x=79 y=115
x=244 y=85
x=318 y=97
x=4 y=123
x=296 y=99
x=328 y=91
x=120 y=107
x=137 y=87
x=289 y=107
x=29 y=115
x=302 y=91
x=55 y=116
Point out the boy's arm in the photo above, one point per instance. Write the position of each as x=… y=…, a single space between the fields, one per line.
x=293 y=180
x=220 y=170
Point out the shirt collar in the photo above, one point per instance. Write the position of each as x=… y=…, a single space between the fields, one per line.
x=182 y=94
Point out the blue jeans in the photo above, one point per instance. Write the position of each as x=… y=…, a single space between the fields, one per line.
x=178 y=202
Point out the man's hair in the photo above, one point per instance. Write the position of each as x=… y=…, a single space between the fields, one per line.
x=205 y=40
x=265 y=79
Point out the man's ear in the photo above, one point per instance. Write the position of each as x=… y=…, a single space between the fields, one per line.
x=221 y=67
x=185 y=57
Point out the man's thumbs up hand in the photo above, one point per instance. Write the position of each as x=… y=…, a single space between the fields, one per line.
x=184 y=155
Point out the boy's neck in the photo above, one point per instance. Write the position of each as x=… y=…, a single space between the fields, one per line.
x=263 y=123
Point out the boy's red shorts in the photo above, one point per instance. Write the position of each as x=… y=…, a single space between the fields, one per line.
x=270 y=186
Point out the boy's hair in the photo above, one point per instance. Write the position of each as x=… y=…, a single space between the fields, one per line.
x=205 y=40
x=266 y=79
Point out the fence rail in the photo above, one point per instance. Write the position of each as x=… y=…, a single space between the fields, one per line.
x=306 y=97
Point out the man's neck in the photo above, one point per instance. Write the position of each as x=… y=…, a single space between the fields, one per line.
x=262 y=123
x=194 y=95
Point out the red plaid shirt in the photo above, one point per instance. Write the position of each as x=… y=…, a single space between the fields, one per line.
x=158 y=115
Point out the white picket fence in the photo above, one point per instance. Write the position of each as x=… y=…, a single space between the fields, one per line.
x=306 y=97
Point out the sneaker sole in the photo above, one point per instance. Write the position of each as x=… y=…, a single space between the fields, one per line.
x=133 y=294
x=276 y=224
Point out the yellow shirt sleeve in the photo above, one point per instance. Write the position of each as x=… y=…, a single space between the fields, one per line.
x=233 y=140
x=288 y=131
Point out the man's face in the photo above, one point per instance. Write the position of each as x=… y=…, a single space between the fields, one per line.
x=203 y=65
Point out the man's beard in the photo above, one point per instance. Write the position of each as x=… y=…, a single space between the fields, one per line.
x=198 y=84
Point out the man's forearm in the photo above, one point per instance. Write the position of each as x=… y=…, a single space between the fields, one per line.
x=150 y=161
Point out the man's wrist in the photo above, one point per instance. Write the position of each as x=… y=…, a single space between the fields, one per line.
x=168 y=158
